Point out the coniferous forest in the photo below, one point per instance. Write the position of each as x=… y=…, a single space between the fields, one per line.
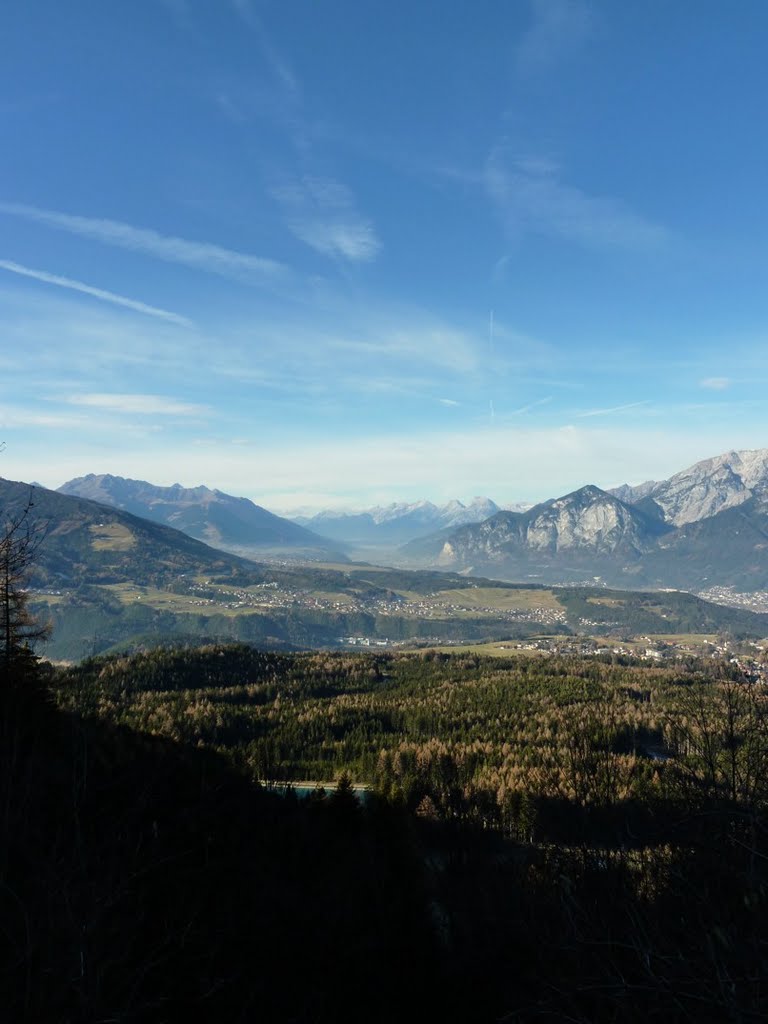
x=575 y=839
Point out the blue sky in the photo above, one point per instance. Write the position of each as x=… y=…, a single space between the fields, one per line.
x=350 y=252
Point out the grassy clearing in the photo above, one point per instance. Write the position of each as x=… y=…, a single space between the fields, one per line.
x=511 y=648
x=335 y=596
x=163 y=600
x=354 y=568
x=498 y=598
x=494 y=649
x=111 y=537
x=685 y=638
x=412 y=596
x=697 y=641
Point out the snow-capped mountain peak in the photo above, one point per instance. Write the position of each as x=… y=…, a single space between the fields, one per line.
x=706 y=488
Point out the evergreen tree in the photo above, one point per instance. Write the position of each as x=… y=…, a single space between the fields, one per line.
x=19 y=630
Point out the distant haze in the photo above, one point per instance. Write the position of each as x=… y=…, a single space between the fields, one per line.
x=510 y=467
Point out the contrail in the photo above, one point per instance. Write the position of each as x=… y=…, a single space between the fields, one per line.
x=200 y=255
x=97 y=293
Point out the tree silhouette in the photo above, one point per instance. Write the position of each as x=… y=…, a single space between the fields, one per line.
x=19 y=629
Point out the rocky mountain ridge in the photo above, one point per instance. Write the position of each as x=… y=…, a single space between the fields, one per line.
x=221 y=520
x=587 y=523
x=397 y=523
x=706 y=488
x=704 y=526
x=83 y=542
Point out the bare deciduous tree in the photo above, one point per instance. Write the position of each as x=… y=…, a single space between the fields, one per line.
x=19 y=629
x=720 y=733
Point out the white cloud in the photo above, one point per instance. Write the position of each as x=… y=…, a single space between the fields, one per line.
x=276 y=61
x=322 y=213
x=97 y=293
x=453 y=350
x=352 y=240
x=179 y=9
x=269 y=87
x=79 y=426
x=530 y=197
x=558 y=28
x=507 y=463
x=332 y=357
x=247 y=12
x=205 y=256
x=144 y=405
x=448 y=401
x=715 y=383
x=13 y=417
x=79 y=345
x=531 y=405
x=613 y=408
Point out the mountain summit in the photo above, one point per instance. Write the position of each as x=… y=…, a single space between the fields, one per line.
x=219 y=519
x=585 y=525
x=396 y=524
x=706 y=488
x=704 y=527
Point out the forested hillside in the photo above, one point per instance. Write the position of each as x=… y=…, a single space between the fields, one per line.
x=566 y=838
x=481 y=731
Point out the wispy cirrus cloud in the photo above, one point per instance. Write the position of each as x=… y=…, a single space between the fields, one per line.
x=354 y=241
x=715 y=383
x=531 y=197
x=612 y=409
x=531 y=405
x=280 y=67
x=272 y=90
x=144 y=405
x=322 y=213
x=178 y=8
x=206 y=256
x=14 y=416
x=558 y=27
x=454 y=350
x=97 y=293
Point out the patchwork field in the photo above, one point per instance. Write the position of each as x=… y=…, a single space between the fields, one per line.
x=498 y=598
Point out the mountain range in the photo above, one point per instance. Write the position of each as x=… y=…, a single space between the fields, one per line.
x=706 y=488
x=105 y=577
x=81 y=542
x=389 y=526
x=221 y=520
x=705 y=526
x=240 y=526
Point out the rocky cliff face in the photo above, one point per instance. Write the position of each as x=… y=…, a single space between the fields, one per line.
x=587 y=522
x=587 y=518
x=707 y=488
x=705 y=526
